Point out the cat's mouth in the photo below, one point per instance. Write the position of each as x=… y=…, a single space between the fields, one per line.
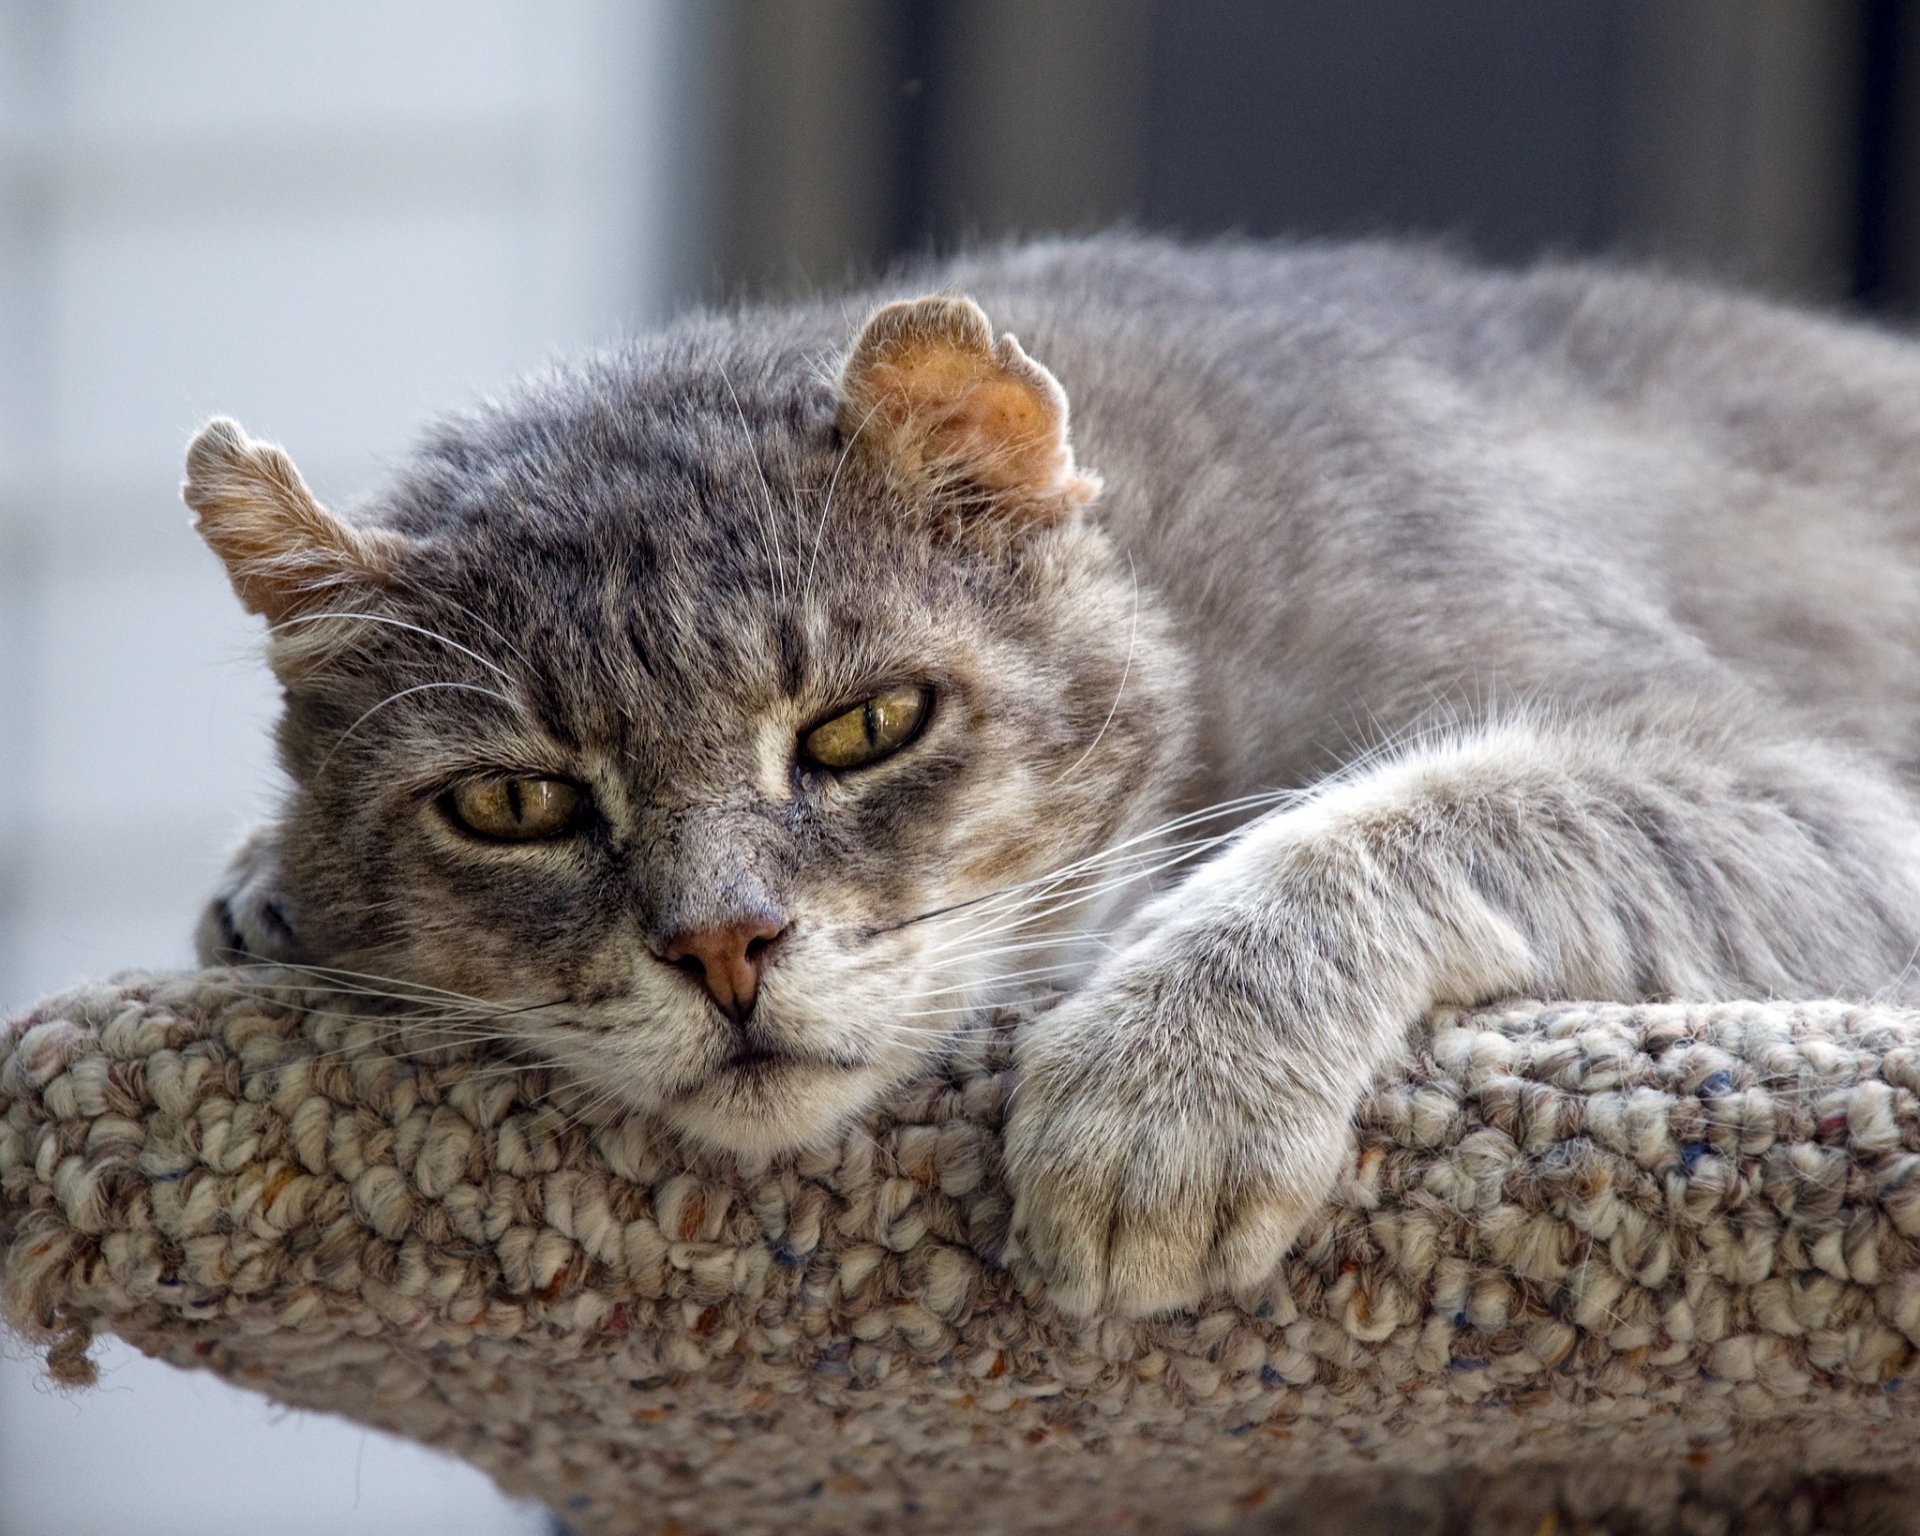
x=757 y=1063
x=754 y=1060
x=762 y=1100
x=751 y=1061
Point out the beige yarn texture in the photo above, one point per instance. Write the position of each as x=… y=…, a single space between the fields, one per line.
x=1577 y=1239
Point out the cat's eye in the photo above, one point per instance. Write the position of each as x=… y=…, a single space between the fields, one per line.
x=874 y=728
x=516 y=810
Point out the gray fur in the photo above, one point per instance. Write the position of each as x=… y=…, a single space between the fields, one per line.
x=1570 y=615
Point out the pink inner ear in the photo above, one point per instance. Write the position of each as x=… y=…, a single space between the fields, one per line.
x=931 y=392
x=997 y=415
x=282 y=549
x=1006 y=434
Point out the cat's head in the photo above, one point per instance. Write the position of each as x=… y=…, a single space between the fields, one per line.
x=673 y=707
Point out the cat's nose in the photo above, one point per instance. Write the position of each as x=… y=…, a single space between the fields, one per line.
x=728 y=959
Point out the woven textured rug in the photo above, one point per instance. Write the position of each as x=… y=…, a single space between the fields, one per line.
x=1594 y=1268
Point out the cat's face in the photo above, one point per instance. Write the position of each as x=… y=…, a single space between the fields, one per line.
x=675 y=703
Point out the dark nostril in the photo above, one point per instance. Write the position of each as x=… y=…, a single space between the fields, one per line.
x=726 y=960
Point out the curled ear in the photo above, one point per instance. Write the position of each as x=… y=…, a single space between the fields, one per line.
x=929 y=395
x=283 y=551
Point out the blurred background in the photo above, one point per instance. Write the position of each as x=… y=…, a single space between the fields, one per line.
x=333 y=220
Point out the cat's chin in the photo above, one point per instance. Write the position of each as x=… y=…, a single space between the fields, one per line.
x=773 y=1108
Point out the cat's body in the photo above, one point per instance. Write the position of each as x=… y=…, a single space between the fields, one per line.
x=1366 y=478
x=1623 y=574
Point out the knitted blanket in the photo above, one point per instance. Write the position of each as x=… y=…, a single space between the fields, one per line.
x=1682 y=1241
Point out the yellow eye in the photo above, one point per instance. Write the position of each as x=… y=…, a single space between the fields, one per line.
x=874 y=728
x=516 y=810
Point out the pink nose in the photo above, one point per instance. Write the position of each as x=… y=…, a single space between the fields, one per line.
x=728 y=959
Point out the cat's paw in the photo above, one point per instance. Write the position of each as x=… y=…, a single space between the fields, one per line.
x=1160 y=1146
x=246 y=919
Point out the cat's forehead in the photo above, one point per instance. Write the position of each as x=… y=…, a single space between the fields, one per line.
x=672 y=568
x=605 y=454
x=677 y=545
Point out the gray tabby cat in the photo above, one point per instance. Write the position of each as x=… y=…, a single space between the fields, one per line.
x=724 y=715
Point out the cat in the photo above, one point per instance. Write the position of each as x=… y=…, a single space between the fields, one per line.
x=725 y=715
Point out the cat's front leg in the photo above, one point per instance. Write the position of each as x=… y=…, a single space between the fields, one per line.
x=1179 y=1118
x=247 y=918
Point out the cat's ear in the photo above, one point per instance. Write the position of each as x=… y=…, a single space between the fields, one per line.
x=938 y=403
x=283 y=551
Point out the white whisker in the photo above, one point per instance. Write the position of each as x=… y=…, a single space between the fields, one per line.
x=1078 y=897
x=1219 y=809
x=1003 y=979
x=1133 y=634
x=833 y=485
x=378 y=618
x=776 y=559
x=355 y=982
x=366 y=714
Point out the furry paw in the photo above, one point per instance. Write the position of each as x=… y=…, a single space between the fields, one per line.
x=1161 y=1148
x=247 y=920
